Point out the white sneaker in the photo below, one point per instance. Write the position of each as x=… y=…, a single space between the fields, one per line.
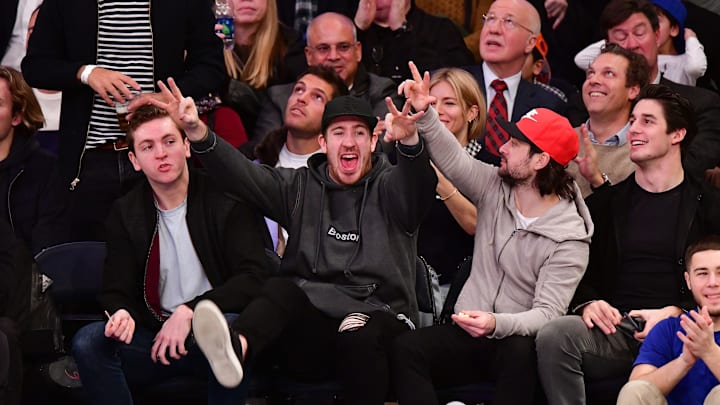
x=220 y=345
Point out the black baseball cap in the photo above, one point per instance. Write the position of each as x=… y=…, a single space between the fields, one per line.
x=348 y=106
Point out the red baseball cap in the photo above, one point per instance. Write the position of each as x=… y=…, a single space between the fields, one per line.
x=549 y=131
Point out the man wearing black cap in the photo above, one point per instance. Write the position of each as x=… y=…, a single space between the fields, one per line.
x=531 y=248
x=348 y=274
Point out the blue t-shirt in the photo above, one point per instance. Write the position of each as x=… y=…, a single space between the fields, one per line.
x=661 y=347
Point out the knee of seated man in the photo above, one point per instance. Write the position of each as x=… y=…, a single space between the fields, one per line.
x=713 y=398
x=639 y=391
x=88 y=339
x=559 y=330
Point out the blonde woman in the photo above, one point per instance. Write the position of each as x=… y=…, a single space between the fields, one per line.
x=266 y=53
x=446 y=235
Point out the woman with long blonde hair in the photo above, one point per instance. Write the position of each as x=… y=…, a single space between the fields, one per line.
x=266 y=53
x=446 y=235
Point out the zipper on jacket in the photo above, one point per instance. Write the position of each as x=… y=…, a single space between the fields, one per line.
x=12 y=182
x=147 y=259
x=502 y=279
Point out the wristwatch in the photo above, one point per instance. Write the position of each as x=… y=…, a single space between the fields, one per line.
x=606 y=182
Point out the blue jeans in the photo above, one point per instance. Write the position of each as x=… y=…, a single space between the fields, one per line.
x=109 y=368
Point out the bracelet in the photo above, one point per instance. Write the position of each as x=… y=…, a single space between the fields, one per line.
x=86 y=73
x=448 y=196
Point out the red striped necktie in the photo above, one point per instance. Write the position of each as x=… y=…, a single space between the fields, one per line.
x=495 y=136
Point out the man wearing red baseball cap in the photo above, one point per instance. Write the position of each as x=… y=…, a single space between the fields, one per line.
x=531 y=249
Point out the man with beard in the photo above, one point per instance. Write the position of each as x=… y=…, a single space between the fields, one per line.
x=679 y=361
x=531 y=248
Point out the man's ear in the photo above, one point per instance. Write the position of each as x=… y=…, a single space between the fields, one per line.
x=678 y=135
x=687 y=280
x=538 y=66
x=323 y=144
x=530 y=44
x=542 y=161
x=674 y=30
x=134 y=161
x=186 y=143
x=633 y=92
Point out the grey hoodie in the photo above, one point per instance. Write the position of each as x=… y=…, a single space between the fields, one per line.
x=525 y=278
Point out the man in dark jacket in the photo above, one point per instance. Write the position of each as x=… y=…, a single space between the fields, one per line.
x=84 y=49
x=642 y=227
x=31 y=198
x=349 y=266
x=11 y=368
x=172 y=241
x=331 y=41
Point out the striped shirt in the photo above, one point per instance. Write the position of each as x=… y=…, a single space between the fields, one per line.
x=124 y=44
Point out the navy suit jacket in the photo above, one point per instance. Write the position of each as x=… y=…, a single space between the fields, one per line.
x=529 y=96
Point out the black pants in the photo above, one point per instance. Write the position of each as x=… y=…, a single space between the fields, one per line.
x=312 y=348
x=11 y=368
x=447 y=356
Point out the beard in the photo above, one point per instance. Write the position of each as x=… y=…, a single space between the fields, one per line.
x=513 y=177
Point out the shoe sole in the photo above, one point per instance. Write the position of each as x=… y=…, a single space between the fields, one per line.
x=213 y=337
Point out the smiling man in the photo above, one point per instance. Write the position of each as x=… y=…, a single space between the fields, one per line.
x=679 y=362
x=642 y=228
x=172 y=241
x=347 y=284
x=612 y=82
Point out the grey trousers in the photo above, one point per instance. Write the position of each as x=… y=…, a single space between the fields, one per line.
x=570 y=353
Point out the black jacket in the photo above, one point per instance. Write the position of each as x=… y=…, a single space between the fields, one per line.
x=229 y=239
x=699 y=215
x=351 y=248
x=429 y=41
x=65 y=38
x=33 y=199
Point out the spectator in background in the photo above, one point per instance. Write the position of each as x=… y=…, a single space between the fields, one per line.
x=394 y=32
x=613 y=82
x=332 y=41
x=95 y=65
x=50 y=100
x=299 y=13
x=31 y=196
x=13 y=28
x=266 y=53
x=537 y=70
x=633 y=24
x=680 y=56
x=446 y=235
x=507 y=37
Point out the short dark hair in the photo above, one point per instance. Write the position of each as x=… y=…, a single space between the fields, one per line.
x=677 y=109
x=23 y=102
x=638 y=71
x=143 y=114
x=553 y=178
x=707 y=242
x=617 y=11
x=328 y=75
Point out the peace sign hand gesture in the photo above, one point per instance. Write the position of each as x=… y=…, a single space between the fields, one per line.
x=400 y=125
x=417 y=89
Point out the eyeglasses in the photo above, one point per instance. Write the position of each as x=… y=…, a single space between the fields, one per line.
x=508 y=23
x=342 y=48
